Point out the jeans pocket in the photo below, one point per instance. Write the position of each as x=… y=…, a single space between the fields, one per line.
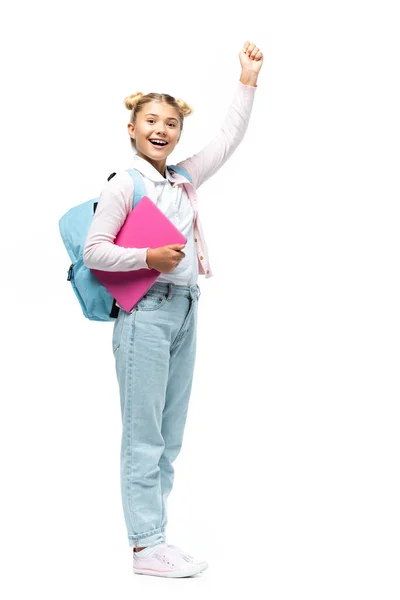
x=151 y=302
x=117 y=331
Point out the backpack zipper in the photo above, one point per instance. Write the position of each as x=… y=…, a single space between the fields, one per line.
x=70 y=272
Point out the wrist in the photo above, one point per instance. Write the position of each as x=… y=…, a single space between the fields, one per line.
x=148 y=258
x=249 y=78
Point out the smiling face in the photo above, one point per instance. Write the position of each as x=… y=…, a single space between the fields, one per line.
x=156 y=133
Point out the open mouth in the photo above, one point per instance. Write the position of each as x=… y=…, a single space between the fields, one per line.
x=158 y=143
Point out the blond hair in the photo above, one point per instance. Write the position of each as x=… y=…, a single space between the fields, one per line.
x=135 y=103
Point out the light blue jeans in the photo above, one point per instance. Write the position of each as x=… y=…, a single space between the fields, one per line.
x=154 y=348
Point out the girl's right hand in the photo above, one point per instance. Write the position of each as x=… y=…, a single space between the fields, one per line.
x=166 y=258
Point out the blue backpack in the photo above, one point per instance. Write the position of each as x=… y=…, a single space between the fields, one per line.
x=96 y=301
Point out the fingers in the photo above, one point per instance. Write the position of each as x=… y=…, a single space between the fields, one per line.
x=179 y=259
x=252 y=50
x=245 y=47
x=258 y=55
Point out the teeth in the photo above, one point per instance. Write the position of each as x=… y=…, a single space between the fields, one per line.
x=157 y=143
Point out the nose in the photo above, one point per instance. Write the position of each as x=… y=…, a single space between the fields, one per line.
x=161 y=128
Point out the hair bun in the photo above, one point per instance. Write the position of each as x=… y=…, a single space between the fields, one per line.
x=185 y=108
x=133 y=99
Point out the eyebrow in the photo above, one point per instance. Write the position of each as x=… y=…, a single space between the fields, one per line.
x=154 y=115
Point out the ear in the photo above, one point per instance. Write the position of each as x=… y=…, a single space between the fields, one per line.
x=131 y=130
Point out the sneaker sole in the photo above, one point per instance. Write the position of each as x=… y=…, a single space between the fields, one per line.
x=182 y=573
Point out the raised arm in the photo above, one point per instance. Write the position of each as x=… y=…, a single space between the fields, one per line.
x=209 y=160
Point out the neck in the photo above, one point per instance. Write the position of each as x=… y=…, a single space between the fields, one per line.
x=160 y=165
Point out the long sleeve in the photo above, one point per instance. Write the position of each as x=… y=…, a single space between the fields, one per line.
x=209 y=160
x=114 y=205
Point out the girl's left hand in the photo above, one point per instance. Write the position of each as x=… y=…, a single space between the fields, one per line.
x=251 y=58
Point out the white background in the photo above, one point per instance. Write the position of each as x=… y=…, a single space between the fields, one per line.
x=288 y=479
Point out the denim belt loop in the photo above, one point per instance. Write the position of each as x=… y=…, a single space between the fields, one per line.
x=169 y=291
x=195 y=291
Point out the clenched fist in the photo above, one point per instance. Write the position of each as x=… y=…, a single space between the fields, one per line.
x=166 y=258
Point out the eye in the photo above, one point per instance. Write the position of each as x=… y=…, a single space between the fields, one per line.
x=173 y=124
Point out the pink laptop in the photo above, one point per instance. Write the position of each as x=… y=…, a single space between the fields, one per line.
x=145 y=226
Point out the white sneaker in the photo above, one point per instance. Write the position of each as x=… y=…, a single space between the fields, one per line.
x=165 y=560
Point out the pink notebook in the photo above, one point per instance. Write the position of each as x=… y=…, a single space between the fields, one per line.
x=146 y=226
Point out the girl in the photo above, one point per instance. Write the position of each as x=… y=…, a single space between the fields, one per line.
x=155 y=344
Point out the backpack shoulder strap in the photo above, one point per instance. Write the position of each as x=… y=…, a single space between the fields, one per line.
x=181 y=171
x=139 y=189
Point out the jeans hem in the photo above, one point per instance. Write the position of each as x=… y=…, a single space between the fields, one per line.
x=149 y=538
